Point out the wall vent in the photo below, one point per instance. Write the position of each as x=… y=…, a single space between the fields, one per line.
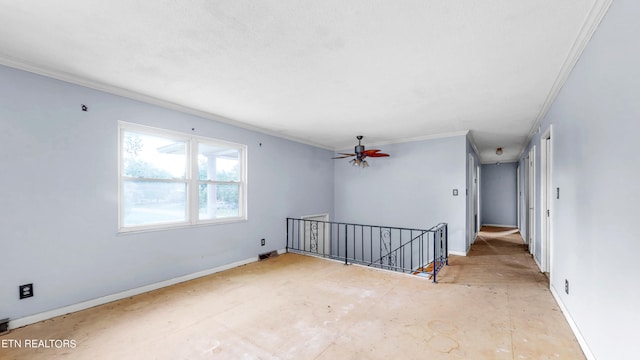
x=4 y=326
x=268 y=255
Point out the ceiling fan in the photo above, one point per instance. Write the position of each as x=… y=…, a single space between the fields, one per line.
x=361 y=154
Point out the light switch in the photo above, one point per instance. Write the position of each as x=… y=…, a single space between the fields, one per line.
x=455 y=192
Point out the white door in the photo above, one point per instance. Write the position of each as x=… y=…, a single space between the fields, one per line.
x=525 y=201
x=518 y=195
x=315 y=233
x=531 y=201
x=477 y=205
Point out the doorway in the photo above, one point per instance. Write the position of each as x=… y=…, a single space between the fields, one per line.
x=315 y=233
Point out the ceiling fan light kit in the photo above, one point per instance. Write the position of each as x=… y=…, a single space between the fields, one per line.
x=361 y=154
x=358 y=162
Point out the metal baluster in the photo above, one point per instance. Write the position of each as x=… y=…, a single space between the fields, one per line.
x=446 y=242
x=362 y=242
x=371 y=243
x=346 y=243
x=435 y=273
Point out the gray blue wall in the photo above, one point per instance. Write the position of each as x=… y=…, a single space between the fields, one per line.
x=595 y=121
x=413 y=188
x=59 y=196
x=499 y=194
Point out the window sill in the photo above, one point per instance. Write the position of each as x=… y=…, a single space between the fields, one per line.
x=127 y=231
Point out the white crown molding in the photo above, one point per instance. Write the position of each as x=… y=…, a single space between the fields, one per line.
x=472 y=141
x=114 y=90
x=591 y=23
x=416 y=138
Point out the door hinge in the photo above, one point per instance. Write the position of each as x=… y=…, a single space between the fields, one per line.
x=548 y=212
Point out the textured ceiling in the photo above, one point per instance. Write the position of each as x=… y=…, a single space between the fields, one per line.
x=320 y=72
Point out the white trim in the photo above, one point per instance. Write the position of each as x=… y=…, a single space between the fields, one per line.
x=163 y=227
x=458 y=253
x=589 y=26
x=32 y=319
x=537 y=263
x=572 y=324
x=518 y=192
x=546 y=190
x=471 y=181
x=416 y=138
x=531 y=229
x=477 y=205
x=325 y=215
x=472 y=141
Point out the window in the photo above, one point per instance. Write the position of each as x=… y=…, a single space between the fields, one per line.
x=170 y=179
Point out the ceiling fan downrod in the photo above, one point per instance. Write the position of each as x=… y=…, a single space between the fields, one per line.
x=359 y=149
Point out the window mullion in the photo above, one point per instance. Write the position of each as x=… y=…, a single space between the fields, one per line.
x=194 y=187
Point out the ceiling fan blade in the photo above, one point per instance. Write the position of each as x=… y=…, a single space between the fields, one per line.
x=370 y=151
x=374 y=153
x=344 y=156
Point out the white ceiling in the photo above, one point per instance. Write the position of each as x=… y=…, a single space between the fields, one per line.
x=320 y=72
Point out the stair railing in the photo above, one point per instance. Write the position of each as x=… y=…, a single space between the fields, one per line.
x=416 y=251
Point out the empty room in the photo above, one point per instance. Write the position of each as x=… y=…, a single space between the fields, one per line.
x=319 y=180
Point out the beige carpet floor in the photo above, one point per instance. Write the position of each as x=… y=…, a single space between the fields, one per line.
x=492 y=304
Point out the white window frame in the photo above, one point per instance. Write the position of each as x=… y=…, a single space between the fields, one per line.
x=192 y=181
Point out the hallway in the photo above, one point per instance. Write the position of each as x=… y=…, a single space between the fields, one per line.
x=492 y=304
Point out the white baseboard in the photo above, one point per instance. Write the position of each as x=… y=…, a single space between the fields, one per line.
x=583 y=343
x=32 y=319
x=457 y=253
x=537 y=263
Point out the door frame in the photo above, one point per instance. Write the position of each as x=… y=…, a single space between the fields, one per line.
x=525 y=200
x=518 y=199
x=478 y=224
x=546 y=191
x=531 y=201
x=471 y=200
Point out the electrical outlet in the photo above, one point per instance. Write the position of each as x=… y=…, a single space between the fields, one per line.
x=262 y=242
x=566 y=286
x=26 y=291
